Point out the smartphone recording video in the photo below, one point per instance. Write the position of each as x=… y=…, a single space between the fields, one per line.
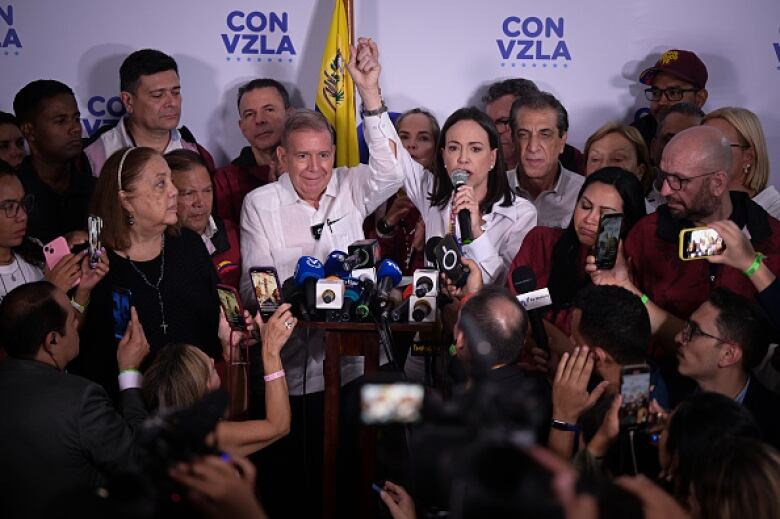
x=606 y=247
x=121 y=302
x=94 y=228
x=265 y=281
x=228 y=299
x=635 y=389
x=700 y=242
x=399 y=402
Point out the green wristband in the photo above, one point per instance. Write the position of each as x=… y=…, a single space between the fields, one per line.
x=644 y=299
x=755 y=265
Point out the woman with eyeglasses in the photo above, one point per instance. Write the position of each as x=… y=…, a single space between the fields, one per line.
x=749 y=155
x=21 y=258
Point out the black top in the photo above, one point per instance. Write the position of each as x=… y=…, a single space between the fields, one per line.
x=59 y=433
x=189 y=297
x=55 y=214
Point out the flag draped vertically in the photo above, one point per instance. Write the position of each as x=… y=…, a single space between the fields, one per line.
x=335 y=90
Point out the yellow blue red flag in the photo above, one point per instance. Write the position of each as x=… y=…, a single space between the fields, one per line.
x=336 y=92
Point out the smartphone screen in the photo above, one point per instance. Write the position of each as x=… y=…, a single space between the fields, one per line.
x=267 y=291
x=120 y=298
x=607 y=240
x=635 y=388
x=700 y=242
x=391 y=403
x=228 y=299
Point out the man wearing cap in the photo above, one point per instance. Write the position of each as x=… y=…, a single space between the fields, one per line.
x=679 y=76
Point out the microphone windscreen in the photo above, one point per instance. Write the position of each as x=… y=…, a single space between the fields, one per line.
x=308 y=267
x=459 y=178
x=523 y=279
x=334 y=264
x=430 y=248
x=389 y=269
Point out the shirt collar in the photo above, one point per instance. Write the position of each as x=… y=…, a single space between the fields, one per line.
x=211 y=228
x=559 y=187
x=289 y=195
x=127 y=139
x=741 y=395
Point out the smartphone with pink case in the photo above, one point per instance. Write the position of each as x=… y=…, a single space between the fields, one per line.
x=54 y=251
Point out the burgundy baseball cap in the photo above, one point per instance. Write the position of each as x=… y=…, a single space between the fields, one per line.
x=682 y=64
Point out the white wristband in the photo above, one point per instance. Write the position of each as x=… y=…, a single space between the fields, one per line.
x=130 y=379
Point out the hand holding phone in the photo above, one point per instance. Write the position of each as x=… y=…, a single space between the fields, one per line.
x=448 y=257
x=121 y=303
x=94 y=228
x=267 y=288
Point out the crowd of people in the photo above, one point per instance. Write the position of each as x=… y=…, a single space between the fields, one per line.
x=77 y=396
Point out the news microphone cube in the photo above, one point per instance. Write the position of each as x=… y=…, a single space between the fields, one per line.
x=329 y=294
x=422 y=309
x=425 y=282
x=367 y=252
x=369 y=273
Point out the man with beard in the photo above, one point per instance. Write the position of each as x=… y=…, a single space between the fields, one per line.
x=56 y=172
x=694 y=171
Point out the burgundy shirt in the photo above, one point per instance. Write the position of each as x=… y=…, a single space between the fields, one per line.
x=234 y=181
x=679 y=287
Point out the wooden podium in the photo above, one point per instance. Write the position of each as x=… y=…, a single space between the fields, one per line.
x=359 y=340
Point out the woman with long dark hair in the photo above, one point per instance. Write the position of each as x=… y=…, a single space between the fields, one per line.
x=558 y=256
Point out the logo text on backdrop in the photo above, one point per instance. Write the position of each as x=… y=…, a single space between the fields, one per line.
x=9 y=38
x=526 y=41
x=258 y=36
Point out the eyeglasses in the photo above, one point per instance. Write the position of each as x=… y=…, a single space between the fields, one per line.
x=691 y=330
x=12 y=207
x=672 y=94
x=677 y=182
x=502 y=123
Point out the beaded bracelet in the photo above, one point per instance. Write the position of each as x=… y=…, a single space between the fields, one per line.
x=274 y=375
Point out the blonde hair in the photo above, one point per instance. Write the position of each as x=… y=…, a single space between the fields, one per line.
x=741 y=479
x=178 y=377
x=749 y=129
x=633 y=136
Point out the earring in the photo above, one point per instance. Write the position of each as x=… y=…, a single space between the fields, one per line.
x=130 y=220
x=746 y=169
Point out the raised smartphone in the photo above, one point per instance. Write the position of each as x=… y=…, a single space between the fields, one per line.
x=94 y=228
x=231 y=305
x=265 y=281
x=635 y=388
x=606 y=247
x=55 y=250
x=121 y=299
x=700 y=242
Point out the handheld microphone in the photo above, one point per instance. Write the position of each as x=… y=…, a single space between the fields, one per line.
x=401 y=311
x=330 y=294
x=334 y=265
x=351 y=297
x=363 y=308
x=524 y=281
x=307 y=271
x=422 y=309
x=388 y=276
x=459 y=178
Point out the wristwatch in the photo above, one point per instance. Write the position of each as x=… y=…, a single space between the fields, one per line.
x=378 y=111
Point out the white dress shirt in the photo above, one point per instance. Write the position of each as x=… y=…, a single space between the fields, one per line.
x=276 y=231
x=504 y=228
x=769 y=199
x=554 y=207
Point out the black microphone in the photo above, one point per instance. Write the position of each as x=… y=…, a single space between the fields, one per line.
x=421 y=310
x=524 y=280
x=459 y=178
x=292 y=293
x=423 y=286
x=430 y=250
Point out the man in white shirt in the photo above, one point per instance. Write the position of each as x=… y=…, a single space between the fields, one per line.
x=314 y=209
x=539 y=125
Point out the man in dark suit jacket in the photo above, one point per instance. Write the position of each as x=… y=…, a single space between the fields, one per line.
x=724 y=339
x=59 y=433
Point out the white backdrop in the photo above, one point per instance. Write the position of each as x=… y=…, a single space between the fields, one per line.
x=436 y=53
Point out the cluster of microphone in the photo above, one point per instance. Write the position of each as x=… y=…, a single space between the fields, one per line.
x=357 y=286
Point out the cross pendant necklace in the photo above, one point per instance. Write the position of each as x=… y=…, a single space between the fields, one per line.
x=156 y=286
